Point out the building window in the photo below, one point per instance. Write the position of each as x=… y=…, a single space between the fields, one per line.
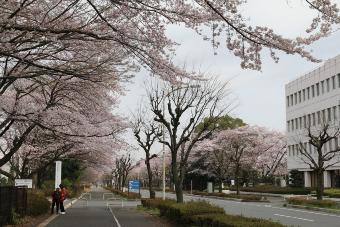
x=288 y=126
x=287 y=100
x=327 y=85
x=336 y=142
x=304 y=121
x=323 y=116
x=313 y=117
x=300 y=121
x=317 y=89
x=292 y=125
x=291 y=100
x=334 y=114
x=295 y=98
x=310 y=148
x=308 y=93
x=322 y=86
x=299 y=96
x=303 y=95
x=319 y=118
x=308 y=120
x=333 y=82
x=329 y=114
x=339 y=80
x=313 y=91
x=296 y=123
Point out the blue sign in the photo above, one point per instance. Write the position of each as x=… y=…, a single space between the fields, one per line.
x=133 y=184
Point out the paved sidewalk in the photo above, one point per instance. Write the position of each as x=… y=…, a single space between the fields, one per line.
x=97 y=214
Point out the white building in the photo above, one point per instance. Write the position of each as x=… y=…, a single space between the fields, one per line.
x=311 y=100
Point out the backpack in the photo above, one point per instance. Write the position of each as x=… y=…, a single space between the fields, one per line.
x=56 y=195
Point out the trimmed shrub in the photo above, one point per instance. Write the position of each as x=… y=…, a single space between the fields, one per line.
x=225 y=220
x=332 y=192
x=276 y=190
x=312 y=202
x=203 y=214
x=128 y=195
x=182 y=212
x=242 y=197
x=37 y=204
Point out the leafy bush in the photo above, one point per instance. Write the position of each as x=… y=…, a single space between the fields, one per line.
x=332 y=192
x=128 y=195
x=312 y=202
x=243 y=197
x=276 y=190
x=37 y=203
x=203 y=214
x=225 y=220
x=182 y=212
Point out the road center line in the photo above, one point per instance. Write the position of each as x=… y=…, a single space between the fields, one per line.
x=305 y=211
x=114 y=217
x=286 y=216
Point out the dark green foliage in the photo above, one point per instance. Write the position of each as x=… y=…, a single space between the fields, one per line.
x=296 y=178
x=37 y=204
x=223 y=123
x=203 y=214
x=243 y=197
x=225 y=220
x=332 y=192
x=312 y=202
x=276 y=190
x=128 y=195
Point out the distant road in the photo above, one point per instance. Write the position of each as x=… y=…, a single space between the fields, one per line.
x=274 y=211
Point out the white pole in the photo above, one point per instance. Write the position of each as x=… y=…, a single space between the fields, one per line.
x=163 y=151
x=57 y=174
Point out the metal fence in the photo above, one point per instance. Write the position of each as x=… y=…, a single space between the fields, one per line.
x=12 y=199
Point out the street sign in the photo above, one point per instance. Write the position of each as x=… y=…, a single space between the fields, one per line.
x=133 y=185
x=23 y=182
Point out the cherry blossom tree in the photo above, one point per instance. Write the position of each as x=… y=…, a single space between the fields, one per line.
x=240 y=144
x=272 y=149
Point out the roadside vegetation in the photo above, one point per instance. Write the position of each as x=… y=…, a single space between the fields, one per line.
x=201 y=213
x=241 y=197
x=303 y=201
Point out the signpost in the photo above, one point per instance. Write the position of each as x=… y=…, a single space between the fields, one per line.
x=134 y=185
x=23 y=182
x=57 y=174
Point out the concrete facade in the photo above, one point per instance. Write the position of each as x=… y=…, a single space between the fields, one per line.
x=313 y=99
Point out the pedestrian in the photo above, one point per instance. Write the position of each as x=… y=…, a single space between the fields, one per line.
x=56 y=200
x=62 y=198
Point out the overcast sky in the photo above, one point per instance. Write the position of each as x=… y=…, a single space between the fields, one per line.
x=260 y=95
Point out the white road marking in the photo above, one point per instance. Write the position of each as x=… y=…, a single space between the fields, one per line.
x=308 y=212
x=116 y=220
x=286 y=216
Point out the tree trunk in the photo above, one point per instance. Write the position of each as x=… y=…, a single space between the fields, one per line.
x=319 y=187
x=220 y=186
x=237 y=180
x=152 y=195
x=179 y=191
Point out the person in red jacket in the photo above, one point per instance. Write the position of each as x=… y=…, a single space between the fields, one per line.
x=62 y=198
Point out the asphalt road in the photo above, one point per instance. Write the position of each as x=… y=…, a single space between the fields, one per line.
x=274 y=211
x=96 y=213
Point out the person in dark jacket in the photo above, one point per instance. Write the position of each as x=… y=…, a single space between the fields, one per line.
x=62 y=198
x=56 y=200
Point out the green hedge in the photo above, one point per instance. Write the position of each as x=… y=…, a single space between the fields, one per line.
x=276 y=190
x=201 y=213
x=242 y=197
x=37 y=203
x=312 y=202
x=128 y=195
x=332 y=192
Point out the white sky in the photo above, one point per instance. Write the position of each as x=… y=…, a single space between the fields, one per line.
x=260 y=95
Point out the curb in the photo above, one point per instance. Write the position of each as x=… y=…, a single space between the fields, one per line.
x=51 y=218
x=332 y=211
x=226 y=198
